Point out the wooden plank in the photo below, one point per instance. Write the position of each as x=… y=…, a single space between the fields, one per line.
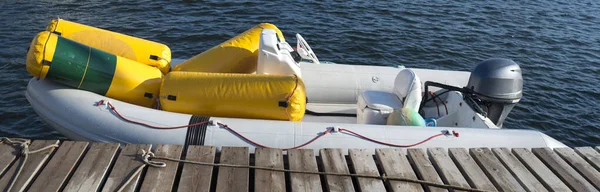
x=233 y=179
x=518 y=170
x=448 y=171
x=197 y=177
x=470 y=170
x=577 y=162
x=563 y=170
x=54 y=175
x=8 y=154
x=304 y=160
x=93 y=167
x=539 y=170
x=162 y=179
x=31 y=168
x=127 y=163
x=424 y=168
x=269 y=180
x=365 y=164
x=494 y=169
x=590 y=155
x=395 y=164
x=335 y=162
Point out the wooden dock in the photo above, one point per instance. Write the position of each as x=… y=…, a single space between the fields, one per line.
x=83 y=166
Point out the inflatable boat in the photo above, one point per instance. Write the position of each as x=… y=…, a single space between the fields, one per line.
x=285 y=98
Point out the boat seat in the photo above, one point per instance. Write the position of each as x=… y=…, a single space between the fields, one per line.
x=374 y=107
x=407 y=86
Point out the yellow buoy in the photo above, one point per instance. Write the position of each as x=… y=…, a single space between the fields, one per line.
x=255 y=96
x=147 y=52
x=76 y=65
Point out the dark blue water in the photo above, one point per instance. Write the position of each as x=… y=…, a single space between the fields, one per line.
x=557 y=45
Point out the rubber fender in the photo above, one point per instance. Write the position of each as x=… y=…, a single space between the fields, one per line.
x=144 y=51
x=83 y=67
x=254 y=96
x=236 y=55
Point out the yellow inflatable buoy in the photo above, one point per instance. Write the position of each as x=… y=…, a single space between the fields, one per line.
x=147 y=52
x=76 y=65
x=255 y=96
x=237 y=55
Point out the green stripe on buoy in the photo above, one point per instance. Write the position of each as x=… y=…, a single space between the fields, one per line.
x=68 y=63
x=100 y=72
x=81 y=66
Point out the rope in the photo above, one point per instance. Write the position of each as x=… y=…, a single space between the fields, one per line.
x=444 y=132
x=147 y=162
x=114 y=109
x=23 y=145
x=334 y=129
x=380 y=177
x=147 y=155
x=263 y=146
x=293 y=90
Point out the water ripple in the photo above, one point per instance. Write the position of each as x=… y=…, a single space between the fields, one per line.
x=556 y=44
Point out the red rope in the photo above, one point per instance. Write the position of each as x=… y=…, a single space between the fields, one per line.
x=294 y=90
x=114 y=109
x=263 y=146
x=341 y=130
x=394 y=145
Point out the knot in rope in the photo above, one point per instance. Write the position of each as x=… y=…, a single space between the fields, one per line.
x=24 y=148
x=146 y=159
x=146 y=156
x=23 y=145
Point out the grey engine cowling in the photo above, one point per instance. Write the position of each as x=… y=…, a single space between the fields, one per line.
x=499 y=85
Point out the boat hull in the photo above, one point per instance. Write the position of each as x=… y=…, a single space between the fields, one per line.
x=75 y=114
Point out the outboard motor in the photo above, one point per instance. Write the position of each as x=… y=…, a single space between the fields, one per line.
x=498 y=85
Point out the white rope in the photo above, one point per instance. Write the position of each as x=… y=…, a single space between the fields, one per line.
x=23 y=146
x=146 y=159
x=383 y=177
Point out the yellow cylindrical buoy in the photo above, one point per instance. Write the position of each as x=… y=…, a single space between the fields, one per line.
x=237 y=55
x=255 y=96
x=76 y=65
x=147 y=52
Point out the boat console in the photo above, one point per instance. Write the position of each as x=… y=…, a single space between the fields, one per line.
x=275 y=56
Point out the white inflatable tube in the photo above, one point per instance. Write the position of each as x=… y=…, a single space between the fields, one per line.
x=73 y=113
x=341 y=84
